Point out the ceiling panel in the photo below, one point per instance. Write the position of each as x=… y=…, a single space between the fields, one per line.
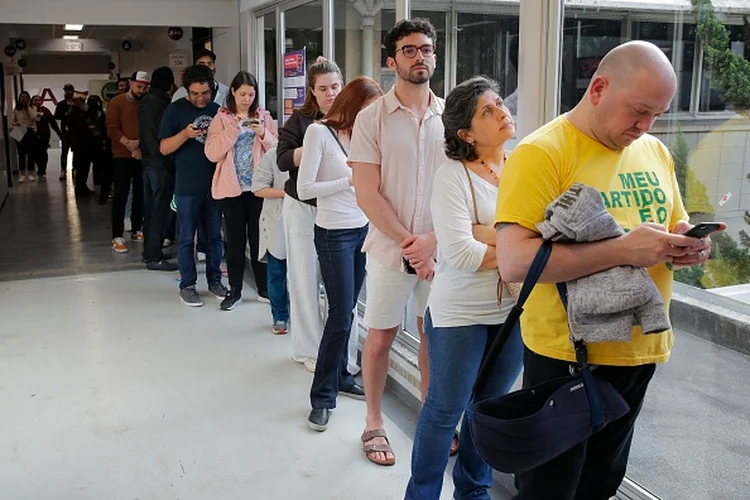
x=99 y=32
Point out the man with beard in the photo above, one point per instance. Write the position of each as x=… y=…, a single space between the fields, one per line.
x=122 y=128
x=396 y=148
x=219 y=91
x=183 y=133
x=61 y=112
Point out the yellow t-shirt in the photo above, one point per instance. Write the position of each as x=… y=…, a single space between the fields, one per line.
x=637 y=184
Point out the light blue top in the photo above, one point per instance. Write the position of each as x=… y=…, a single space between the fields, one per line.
x=243 y=157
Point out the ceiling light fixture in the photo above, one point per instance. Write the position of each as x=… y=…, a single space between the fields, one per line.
x=70 y=37
x=73 y=27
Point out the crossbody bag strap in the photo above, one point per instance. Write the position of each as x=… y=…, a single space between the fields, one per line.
x=473 y=194
x=336 y=136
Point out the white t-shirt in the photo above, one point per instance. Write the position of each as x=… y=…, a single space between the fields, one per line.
x=460 y=294
x=325 y=175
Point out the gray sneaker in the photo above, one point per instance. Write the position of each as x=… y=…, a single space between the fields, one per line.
x=219 y=290
x=279 y=327
x=190 y=297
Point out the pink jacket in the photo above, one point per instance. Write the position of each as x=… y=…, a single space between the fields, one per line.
x=222 y=135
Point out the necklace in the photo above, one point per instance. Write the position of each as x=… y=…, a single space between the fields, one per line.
x=490 y=170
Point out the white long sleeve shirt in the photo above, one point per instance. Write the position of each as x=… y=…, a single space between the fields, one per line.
x=461 y=295
x=271 y=225
x=325 y=175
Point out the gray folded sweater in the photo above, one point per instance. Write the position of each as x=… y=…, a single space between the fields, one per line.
x=602 y=307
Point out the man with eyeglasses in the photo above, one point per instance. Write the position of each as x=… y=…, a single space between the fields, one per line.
x=183 y=133
x=396 y=148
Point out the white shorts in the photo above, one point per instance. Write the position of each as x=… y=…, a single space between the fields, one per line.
x=388 y=294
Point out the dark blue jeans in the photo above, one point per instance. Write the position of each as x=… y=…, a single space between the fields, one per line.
x=342 y=265
x=277 y=291
x=455 y=355
x=156 y=198
x=197 y=214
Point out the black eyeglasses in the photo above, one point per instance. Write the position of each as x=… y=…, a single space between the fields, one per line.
x=410 y=51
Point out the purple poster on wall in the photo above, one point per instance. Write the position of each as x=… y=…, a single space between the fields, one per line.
x=295 y=86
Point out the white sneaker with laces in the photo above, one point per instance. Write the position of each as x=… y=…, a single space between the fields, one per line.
x=310 y=365
x=21 y=178
x=32 y=178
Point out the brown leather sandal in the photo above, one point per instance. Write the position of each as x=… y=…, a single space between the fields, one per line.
x=369 y=449
x=454 y=444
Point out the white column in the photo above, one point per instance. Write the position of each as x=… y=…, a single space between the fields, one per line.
x=368 y=40
x=403 y=9
x=540 y=49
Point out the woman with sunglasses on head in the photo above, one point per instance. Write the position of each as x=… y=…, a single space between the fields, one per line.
x=340 y=230
x=324 y=81
x=463 y=316
x=238 y=137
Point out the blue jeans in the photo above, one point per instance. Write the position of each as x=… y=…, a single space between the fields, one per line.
x=455 y=355
x=277 y=291
x=198 y=213
x=342 y=265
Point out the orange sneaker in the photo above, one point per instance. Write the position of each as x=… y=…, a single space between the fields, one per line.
x=118 y=245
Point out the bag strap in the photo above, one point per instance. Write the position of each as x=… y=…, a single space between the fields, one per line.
x=336 y=136
x=473 y=194
x=532 y=277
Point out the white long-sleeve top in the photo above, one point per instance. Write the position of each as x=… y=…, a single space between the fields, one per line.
x=461 y=295
x=325 y=175
x=271 y=224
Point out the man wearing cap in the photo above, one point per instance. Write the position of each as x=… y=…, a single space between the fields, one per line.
x=122 y=127
x=158 y=170
x=61 y=111
x=603 y=143
x=219 y=91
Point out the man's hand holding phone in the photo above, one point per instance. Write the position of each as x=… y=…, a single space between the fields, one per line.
x=700 y=251
x=191 y=131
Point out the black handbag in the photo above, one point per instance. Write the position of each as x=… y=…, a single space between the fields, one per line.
x=524 y=429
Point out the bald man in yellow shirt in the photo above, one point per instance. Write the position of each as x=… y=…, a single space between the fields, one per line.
x=603 y=143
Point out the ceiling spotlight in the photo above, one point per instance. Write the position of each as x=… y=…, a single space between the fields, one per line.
x=73 y=27
x=70 y=37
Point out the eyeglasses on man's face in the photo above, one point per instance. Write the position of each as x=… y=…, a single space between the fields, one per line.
x=410 y=51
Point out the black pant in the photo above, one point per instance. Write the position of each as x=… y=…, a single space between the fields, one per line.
x=42 y=159
x=65 y=149
x=594 y=469
x=124 y=170
x=106 y=177
x=100 y=163
x=82 y=166
x=27 y=152
x=241 y=220
x=156 y=198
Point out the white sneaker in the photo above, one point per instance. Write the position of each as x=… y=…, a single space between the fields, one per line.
x=310 y=365
x=21 y=179
x=32 y=178
x=166 y=243
x=201 y=257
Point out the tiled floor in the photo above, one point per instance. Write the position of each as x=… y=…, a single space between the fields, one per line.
x=46 y=231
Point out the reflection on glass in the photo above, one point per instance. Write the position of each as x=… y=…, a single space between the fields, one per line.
x=711 y=99
x=269 y=58
x=359 y=31
x=304 y=29
x=497 y=35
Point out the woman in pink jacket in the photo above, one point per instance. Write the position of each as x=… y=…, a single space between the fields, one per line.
x=238 y=137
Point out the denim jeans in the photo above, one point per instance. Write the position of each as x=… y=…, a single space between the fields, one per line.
x=342 y=265
x=198 y=213
x=155 y=210
x=455 y=354
x=277 y=292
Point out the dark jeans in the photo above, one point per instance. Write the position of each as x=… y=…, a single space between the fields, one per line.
x=106 y=179
x=594 y=469
x=64 y=150
x=277 y=291
x=342 y=265
x=82 y=166
x=27 y=152
x=198 y=214
x=42 y=156
x=125 y=170
x=455 y=354
x=241 y=221
x=171 y=223
x=100 y=163
x=156 y=198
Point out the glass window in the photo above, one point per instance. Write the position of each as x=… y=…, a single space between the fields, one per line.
x=496 y=37
x=678 y=41
x=303 y=29
x=585 y=42
x=437 y=83
x=359 y=31
x=269 y=62
x=710 y=97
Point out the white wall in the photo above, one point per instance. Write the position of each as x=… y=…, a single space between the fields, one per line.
x=34 y=84
x=121 y=12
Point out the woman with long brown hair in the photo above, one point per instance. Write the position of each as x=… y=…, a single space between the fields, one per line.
x=239 y=135
x=324 y=81
x=340 y=230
